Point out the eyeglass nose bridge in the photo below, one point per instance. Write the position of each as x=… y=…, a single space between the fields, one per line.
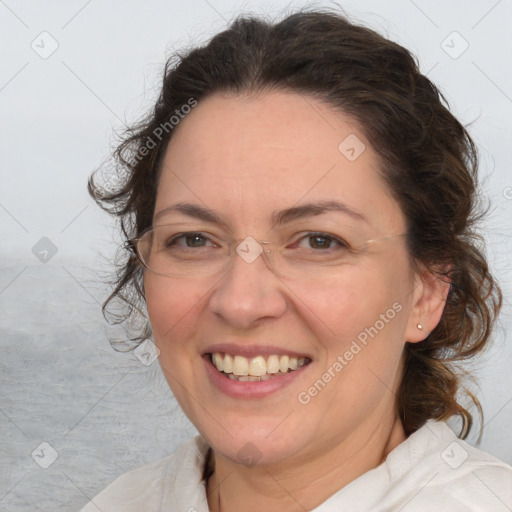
x=250 y=249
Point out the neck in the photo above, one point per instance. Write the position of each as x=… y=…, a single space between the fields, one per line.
x=281 y=486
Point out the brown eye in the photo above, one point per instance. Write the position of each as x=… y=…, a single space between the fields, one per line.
x=195 y=240
x=190 y=241
x=320 y=242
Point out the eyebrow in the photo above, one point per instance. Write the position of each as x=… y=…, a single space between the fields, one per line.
x=313 y=209
x=192 y=210
x=278 y=218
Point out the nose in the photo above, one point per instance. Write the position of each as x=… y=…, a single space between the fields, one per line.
x=248 y=294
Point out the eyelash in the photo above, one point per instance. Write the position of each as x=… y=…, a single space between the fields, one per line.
x=333 y=239
x=184 y=236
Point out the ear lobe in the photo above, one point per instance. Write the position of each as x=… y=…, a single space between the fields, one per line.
x=430 y=295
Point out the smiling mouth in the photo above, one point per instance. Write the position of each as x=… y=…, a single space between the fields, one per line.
x=257 y=368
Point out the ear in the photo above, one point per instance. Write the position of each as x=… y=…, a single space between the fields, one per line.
x=429 y=299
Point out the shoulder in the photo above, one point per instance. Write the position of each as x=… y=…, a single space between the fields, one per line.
x=446 y=473
x=431 y=470
x=153 y=486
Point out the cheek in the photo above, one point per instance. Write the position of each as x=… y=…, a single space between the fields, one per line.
x=172 y=308
x=170 y=304
x=364 y=303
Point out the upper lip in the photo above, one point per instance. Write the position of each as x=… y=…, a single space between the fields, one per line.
x=250 y=351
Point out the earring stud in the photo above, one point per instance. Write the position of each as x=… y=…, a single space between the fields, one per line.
x=420 y=327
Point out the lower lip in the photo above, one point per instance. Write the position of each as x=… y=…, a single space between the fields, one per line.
x=258 y=389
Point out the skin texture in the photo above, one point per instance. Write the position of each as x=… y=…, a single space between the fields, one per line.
x=245 y=157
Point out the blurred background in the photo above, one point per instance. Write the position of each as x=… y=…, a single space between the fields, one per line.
x=74 y=413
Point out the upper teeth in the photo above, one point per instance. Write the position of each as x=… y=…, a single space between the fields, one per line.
x=256 y=366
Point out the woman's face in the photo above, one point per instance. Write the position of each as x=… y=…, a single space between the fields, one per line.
x=287 y=169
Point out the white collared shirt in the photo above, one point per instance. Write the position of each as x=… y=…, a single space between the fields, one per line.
x=432 y=470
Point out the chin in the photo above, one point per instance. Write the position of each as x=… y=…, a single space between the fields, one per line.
x=256 y=441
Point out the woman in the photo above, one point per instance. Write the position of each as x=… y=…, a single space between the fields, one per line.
x=299 y=211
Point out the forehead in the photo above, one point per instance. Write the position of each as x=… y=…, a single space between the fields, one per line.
x=254 y=154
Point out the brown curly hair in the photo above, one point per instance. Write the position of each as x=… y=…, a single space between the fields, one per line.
x=428 y=160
